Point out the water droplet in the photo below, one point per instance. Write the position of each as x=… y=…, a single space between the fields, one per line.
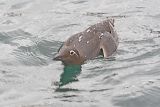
x=101 y=35
x=80 y=38
x=87 y=41
x=88 y=30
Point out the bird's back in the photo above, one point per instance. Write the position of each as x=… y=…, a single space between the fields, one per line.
x=88 y=41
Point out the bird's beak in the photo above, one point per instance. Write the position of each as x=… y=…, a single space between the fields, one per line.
x=57 y=57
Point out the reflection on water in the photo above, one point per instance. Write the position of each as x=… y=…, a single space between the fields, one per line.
x=70 y=74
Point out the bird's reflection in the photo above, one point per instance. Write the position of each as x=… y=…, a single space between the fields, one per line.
x=70 y=73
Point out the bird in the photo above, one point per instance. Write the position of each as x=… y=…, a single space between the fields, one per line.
x=100 y=38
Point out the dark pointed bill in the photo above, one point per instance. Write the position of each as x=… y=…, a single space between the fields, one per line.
x=57 y=57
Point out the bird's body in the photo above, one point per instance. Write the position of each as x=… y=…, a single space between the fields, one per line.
x=88 y=44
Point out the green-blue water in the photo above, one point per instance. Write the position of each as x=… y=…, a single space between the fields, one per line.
x=31 y=32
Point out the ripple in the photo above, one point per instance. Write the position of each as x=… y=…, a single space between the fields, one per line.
x=66 y=90
x=143 y=56
x=8 y=37
x=79 y=2
x=147 y=99
x=37 y=54
x=21 y=5
x=13 y=14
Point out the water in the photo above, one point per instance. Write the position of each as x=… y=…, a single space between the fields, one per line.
x=31 y=31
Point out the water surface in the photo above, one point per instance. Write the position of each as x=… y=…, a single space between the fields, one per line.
x=31 y=32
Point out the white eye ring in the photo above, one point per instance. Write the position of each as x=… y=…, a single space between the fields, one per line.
x=72 y=52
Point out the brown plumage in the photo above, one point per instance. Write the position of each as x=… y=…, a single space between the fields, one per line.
x=88 y=44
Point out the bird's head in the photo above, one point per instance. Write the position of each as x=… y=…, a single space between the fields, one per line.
x=68 y=56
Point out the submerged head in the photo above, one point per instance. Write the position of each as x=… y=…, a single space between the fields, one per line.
x=68 y=56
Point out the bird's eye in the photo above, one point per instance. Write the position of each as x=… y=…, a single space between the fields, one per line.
x=72 y=52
